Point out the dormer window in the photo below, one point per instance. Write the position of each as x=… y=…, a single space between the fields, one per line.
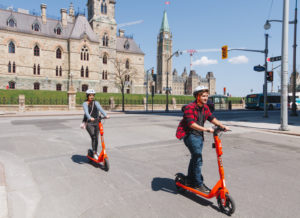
x=11 y=23
x=36 y=27
x=58 y=30
x=126 y=45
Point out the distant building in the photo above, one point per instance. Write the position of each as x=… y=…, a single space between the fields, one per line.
x=183 y=84
x=38 y=52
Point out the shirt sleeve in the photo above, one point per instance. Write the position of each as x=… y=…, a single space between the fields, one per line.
x=100 y=108
x=86 y=110
x=189 y=116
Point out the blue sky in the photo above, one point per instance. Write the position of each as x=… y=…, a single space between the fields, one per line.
x=202 y=24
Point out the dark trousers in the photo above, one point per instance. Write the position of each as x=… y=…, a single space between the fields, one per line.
x=195 y=145
x=93 y=130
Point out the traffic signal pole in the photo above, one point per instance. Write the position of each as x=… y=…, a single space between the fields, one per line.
x=265 y=86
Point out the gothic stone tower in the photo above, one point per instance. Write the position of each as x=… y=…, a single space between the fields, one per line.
x=101 y=16
x=164 y=51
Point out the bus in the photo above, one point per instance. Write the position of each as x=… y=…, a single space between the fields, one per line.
x=256 y=101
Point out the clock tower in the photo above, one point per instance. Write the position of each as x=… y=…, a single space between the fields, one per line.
x=164 y=51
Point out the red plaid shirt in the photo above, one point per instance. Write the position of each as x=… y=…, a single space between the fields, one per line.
x=190 y=116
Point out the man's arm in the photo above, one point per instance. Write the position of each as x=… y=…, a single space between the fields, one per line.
x=195 y=126
x=218 y=123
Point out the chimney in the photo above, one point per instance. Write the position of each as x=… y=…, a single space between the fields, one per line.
x=72 y=12
x=43 y=9
x=121 y=33
x=64 y=20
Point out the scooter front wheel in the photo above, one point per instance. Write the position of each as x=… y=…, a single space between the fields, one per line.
x=106 y=164
x=229 y=208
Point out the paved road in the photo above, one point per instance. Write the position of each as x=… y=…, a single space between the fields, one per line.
x=47 y=173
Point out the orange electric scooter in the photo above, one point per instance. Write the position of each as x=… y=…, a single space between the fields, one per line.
x=225 y=201
x=102 y=158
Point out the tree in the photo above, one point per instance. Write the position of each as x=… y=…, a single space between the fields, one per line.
x=123 y=76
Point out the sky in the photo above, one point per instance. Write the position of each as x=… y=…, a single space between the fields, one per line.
x=202 y=25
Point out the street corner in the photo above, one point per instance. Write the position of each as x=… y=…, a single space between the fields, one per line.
x=3 y=193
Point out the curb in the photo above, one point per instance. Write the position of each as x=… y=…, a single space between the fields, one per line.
x=3 y=194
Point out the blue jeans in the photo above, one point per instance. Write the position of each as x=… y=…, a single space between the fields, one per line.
x=195 y=144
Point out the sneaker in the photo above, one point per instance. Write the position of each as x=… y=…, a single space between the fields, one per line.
x=202 y=188
x=188 y=182
x=96 y=156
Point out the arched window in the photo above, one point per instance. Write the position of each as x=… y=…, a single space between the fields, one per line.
x=12 y=85
x=105 y=40
x=11 y=47
x=105 y=89
x=127 y=64
x=84 y=88
x=58 y=53
x=127 y=78
x=11 y=23
x=34 y=69
x=60 y=71
x=56 y=71
x=58 y=87
x=9 y=67
x=36 y=27
x=105 y=9
x=36 y=86
x=84 y=56
x=38 y=70
x=86 y=72
x=36 y=50
x=105 y=59
x=14 y=67
x=82 y=72
x=102 y=8
x=104 y=75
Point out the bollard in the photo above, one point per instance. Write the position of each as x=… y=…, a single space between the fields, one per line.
x=22 y=103
x=72 y=98
x=111 y=103
x=229 y=105
x=174 y=103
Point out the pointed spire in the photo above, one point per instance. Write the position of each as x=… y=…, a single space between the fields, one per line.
x=165 y=24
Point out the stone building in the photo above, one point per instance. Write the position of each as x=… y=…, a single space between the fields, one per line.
x=183 y=84
x=38 y=52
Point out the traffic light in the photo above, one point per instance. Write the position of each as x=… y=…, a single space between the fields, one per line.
x=270 y=76
x=224 y=52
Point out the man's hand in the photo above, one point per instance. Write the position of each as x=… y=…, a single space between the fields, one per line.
x=210 y=130
x=225 y=128
x=107 y=117
x=92 y=119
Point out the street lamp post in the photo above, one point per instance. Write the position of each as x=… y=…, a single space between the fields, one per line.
x=176 y=53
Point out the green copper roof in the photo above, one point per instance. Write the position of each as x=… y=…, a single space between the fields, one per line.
x=165 y=24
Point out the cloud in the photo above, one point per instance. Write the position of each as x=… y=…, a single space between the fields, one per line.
x=204 y=61
x=239 y=60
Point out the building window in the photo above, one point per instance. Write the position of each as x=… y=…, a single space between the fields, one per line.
x=57 y=31
x=60 y=71
x=11 y=23
x=105 y=89
x=87 y=72
x=11 y=47
x=104 y=75
x=14 y=67
x=36 y=50
x=58 y=53
x=84 y=56
x=36 y=86
x=127 y=64
x=12 y=85
x=34 y=69
x=58 y=87
x=56 y=71
x=38 y=70
x=128 y=91
x=82 y=72
x=9 y=67
x=36 y=27
x=103 y=8
x=84 y=88
x=105 y=59
x=127 y=78
x=105 y=40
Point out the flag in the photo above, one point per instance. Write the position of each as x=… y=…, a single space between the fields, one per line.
x=167 y=2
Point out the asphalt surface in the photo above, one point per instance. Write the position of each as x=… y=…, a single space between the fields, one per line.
x=47 y=174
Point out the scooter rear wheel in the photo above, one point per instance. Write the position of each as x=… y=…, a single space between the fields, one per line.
x=181 y=179
x=229 y=208
x=106 y=164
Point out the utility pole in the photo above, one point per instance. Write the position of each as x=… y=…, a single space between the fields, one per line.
x=284 y=68
x=294 y=106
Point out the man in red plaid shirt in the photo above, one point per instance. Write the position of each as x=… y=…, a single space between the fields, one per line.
x=191 y=129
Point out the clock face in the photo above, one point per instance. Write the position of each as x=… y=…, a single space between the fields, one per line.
x=166 y=36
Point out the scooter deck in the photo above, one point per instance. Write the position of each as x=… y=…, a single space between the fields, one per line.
x=210 y=195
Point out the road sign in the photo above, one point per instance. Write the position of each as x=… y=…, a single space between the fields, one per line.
x=273 y=59
x=259 y=68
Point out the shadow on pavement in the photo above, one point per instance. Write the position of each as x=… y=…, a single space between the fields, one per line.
x=80 y=159
x=168 y=185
